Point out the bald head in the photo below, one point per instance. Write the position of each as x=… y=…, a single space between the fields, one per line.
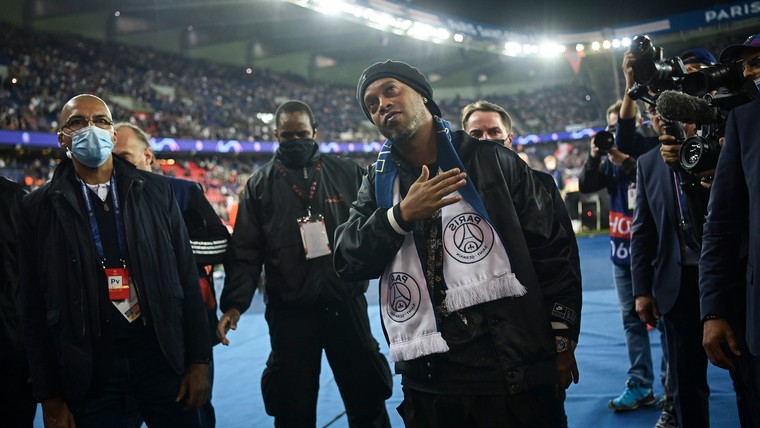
x=78 y=102
x=132 y=144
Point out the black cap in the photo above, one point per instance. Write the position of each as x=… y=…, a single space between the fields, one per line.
x=734 y=52
x=697 y=56
x=402 y=72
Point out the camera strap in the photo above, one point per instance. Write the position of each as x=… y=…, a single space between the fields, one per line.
x=685 y=221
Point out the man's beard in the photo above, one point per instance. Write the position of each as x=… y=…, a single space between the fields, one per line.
x=401 y=136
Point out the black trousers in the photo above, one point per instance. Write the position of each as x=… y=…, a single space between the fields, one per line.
x=688 y=361
x=141 y=386
x=686 y=356
x=17 y=406
x=290 y=381
x=530 y=409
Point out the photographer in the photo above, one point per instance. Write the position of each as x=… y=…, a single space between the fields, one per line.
x=665 y=252
x=664 y=272
x=728 y=231
x=617 y=173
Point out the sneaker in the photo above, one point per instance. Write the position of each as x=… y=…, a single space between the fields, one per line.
x=633 y=397
x=667 y=419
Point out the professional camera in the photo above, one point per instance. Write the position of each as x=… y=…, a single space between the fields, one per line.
x=699 y=153
x=651 y=72
x=604 y=140
x=728 y=76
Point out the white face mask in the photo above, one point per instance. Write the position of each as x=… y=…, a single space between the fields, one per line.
x=91 y=146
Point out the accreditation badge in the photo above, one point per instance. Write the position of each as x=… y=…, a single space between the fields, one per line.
x=118 y=283
x=122 y=293
x=314 y=236
x=632 y=196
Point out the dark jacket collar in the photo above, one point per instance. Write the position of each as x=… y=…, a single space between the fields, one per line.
x=65 y=179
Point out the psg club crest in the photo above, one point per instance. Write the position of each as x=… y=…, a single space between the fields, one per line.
x=403 y=296
x=468 y=238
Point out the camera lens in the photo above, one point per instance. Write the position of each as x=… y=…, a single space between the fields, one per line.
x=698 y=154
x=728 y=75
x=604 y=141
x=641 y=47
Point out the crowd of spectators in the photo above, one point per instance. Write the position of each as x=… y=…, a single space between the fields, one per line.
x=172 y=96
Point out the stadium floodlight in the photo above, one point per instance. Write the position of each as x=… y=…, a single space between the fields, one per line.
x=595 y=46
x=606 y=44
x=550 y=49
x=512 y=48
x=265 y=117
x=615 y=43
x=329 y=7
x=427 y=32
x=459 y=38
x=580 y=47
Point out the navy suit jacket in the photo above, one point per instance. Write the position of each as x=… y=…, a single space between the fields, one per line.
x=655 y=245
x=735 y=194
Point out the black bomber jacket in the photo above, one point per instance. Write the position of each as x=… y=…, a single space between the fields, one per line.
x=521 y=211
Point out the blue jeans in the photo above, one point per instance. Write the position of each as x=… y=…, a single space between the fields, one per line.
x=636 y=333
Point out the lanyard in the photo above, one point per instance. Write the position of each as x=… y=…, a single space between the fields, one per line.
x=94 y=223
x=296 y=188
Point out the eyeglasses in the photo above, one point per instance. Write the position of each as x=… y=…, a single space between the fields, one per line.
x=78 y=122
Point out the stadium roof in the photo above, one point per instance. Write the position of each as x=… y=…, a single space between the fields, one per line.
x=314 y=38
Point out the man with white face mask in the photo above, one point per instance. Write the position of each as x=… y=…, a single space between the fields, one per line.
x=112 y=306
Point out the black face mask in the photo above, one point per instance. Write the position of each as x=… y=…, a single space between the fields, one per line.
x=297 y=153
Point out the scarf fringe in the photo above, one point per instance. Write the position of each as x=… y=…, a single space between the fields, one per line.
x=406 y=350
x=465 y=295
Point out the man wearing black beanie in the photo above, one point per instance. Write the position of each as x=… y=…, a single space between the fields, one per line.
x=479 y=300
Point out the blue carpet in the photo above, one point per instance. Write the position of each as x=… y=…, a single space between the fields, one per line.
x=601 y=356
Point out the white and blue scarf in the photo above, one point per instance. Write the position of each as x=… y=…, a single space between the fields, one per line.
x=476 y=265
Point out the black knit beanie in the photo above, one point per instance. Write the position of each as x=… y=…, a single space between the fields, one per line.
x=402 y=72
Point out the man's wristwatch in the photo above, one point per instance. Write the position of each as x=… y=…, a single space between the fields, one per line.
x=563 y=343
